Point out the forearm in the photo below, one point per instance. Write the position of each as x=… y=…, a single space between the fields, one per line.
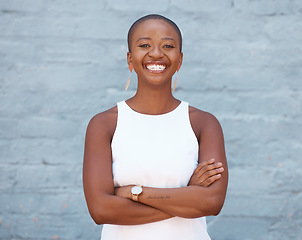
x=187 y=202
x=203 y=196
x=112 y=209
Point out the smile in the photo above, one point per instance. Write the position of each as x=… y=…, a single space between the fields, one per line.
x=156 y=67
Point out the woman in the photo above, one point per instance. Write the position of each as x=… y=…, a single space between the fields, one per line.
x=154 y=166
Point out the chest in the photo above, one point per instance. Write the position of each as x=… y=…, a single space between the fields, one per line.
x=156 y=155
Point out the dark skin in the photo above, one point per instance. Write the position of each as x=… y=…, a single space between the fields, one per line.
x=154 y=42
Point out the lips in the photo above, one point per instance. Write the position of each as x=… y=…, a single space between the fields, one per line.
x=154 y=67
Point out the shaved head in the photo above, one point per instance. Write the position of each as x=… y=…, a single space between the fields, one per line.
x=152 y=17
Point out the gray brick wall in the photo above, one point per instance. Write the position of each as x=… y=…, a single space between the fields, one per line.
x=61 y=62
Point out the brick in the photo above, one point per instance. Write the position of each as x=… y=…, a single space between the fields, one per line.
x=51 y=227
x=16 y=6
x=202 y=6
x=244 y=206
x=152 y=6
x=7 y=178
x=51 y=178
x=40 y=127
x=270 y=7
x=35 y=204
x=232 y=228
x=262 y=180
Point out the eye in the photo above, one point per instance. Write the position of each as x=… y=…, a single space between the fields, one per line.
x=145 y=45
x=168 y=46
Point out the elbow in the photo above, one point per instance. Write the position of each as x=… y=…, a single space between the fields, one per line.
x=98 y=217
x=101 y=210
x=216 y=211
x=215 y=206
x=101 y=215
x=210 y=208
x=98 y=221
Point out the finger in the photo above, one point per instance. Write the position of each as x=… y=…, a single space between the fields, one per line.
x=203 y=164
x=199 y=180
x=211 y=173
x=208 y=168
x=210 y=180
x=211 y=166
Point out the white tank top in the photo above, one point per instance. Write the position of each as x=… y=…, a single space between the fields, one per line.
x=155 y=151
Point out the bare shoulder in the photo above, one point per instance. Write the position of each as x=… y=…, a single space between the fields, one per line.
x=104 y=122
x=202 y=120
x=200 y=115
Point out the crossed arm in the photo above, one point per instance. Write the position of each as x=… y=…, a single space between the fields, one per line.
x=203 y=196
x=184 y=201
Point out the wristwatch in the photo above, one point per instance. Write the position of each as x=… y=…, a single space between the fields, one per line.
x=135 y=191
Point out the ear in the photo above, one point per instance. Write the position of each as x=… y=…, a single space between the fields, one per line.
x=129 y=58
x=180 y=61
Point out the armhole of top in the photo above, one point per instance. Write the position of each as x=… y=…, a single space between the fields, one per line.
x=118 y=106
x=190 y=123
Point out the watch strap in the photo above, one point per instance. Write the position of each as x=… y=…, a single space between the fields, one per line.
x=134 y=196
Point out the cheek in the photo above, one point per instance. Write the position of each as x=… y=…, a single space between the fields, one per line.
x=136 y=61
x=177 y=58
x=138 y=57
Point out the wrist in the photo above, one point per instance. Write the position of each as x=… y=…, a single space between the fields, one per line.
x=124 y=191
x=129 y=194
x=135 y=192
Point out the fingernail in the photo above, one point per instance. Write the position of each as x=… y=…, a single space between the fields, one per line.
x=221 y=169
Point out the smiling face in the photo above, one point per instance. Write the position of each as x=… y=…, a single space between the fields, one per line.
x=155 y=52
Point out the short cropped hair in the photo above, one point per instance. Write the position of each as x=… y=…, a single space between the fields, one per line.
x=152 y=17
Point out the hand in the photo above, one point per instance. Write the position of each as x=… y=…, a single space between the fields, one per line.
x=124 y=191
x=206 y=173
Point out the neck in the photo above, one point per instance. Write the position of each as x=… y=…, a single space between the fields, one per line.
x=156 y=100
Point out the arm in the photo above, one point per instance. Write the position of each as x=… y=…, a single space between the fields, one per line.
x=204 y=175
x=103 y=205
x=195 y=200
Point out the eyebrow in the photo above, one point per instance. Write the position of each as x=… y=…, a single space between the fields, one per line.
x=143 y=38
x=167 y=38
x=147 y=38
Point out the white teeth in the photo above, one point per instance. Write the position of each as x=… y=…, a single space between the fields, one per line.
x=155 y=67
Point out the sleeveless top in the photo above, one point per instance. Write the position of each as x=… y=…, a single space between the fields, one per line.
x=156 y=151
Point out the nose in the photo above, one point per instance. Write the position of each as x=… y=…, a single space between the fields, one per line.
x=156 y=52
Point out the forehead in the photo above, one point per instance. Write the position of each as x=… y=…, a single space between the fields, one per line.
x=155 y=27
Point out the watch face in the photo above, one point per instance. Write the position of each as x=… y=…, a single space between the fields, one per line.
x=136 y=190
